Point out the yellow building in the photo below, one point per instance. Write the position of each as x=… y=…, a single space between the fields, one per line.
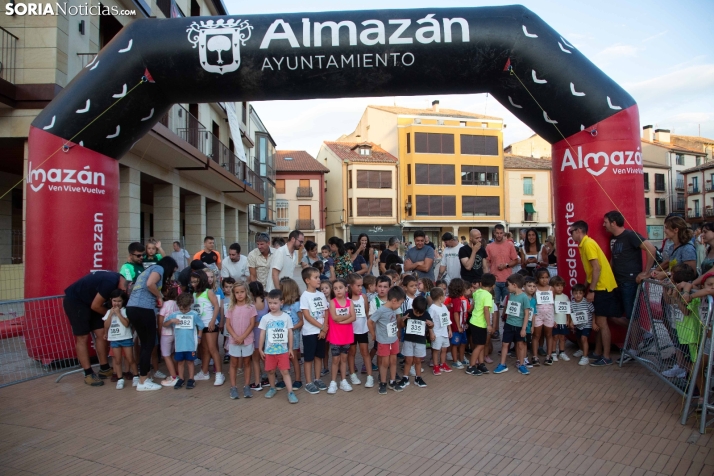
x=450 y=166
x=534 y=146
x=529 y=194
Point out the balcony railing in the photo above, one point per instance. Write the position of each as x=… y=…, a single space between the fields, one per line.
x=8 y=55
x=679 y=205
x=708 y=212
x=694 y=214
x=659 y=187
x=305 y=224
x=679 y=184
x=261 y=213
x=86 y=58
x=693 y=188
x=304 y=192
x=709 y=187
x=530 y=216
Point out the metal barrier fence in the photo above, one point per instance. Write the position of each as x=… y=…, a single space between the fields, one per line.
x=35 y=339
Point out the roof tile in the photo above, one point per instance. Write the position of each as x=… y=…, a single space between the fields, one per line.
x=346 y=151
x=521 y=162
x=301 y=162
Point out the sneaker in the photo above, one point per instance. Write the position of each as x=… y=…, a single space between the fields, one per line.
x=412 y=371
x=234 y=393
x=629 y=357
x=554 y=357
x=256 y=387
x=593 y=356
x=345 y=386
x=458 y=365
x=603 y=362
x=548 y=361
x=437 y=370
x=135 y=381
x=93 y=380
x=148 y=386
x=375 y=368
x=324 y=372
x=332 y=389
x=220 y=379
x=419 y=382
x=473 y=371
x=370 y=382
x=114 y=379
x=578 y=353
x=246 y=392
x=535 y=362
x=179 y=383
x=382 y=388
x=523 y=370
x=483 y=369
x=445 y=368
x=104 y=374
x=311 y=388
x=169 y=382
x=584 y=361
x=564 y=356
x=527 y=363
x=280 y=385
x=264 y=382
x=292 y=398
x=201 y=376
x=190 y=384
x=321 y=385
x=159 y=374
x=448 y=356
x=500 y=369
x=271 y=392
x=465 y=362
x=675 y=372
x=364 y=369
x=488 y=360
x=354 y=379
x=542 y=352
x=404 y=382
x=297 y=385
x=120 y=384
x=197 y=362
x=396 y=386
x=226 y=359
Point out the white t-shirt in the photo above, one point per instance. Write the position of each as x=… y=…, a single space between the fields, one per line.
x=317 y=305
x=117 y=330
x=359 y=325
x=237 y=270
x=450 y=259
x=375 y=304
x=440 y=315
x=284 y=262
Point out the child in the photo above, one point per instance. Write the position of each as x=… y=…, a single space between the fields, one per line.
x=207 y=305
x=458 y=312
x=167 y=334
x=684 y=313
x=481 y=324
x=360 y=331
x=188 y=328
x=369 y=283
x=383 y=328
x=119 y=334
x=261 y=308
x=326 y=288
x=415 y=322
x=240 y=322
x=327 y=261
x=383 y=285
x=529 y=289
x=320 y=267
x=313 y=305
x=394 y=277
x=424 y=288
x=277 y=340
x=411 y=286
x=544 y=318
x=340 y=335
x=581 y=312
x=291 y=306
x=440 y=283
x=561 y=328
x=518 y=313
x=442 y=331
x=226 y=286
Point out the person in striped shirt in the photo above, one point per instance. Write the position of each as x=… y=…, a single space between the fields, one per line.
x=581 y=318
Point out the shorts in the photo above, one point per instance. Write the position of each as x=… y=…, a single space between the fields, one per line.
x=561 y=330
x=362 y=338
x=336 y=350
x=511 y=334
x=167 y=346
x=206 y=331
x=413 y=349
x=440 y=342
x=279 y=361
x=545 y=319
x=385 y=350
x=313 y=347
x=297 y=336
x=500 y=291
x=81 y=317
x=458 y=338
x=583 y=332
x=243 y=350
x=181 y=356
x=607 y=304
x=478 y=335
x=115 y=344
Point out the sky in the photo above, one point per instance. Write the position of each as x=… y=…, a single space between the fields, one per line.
x=661 y=52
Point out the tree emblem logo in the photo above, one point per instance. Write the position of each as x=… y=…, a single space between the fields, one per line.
x=219 y=43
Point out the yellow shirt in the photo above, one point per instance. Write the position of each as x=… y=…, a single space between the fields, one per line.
x=589 y=250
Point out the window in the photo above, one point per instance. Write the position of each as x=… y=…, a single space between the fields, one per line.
x=527 y=185
x=349 y=179
x=374 y=179
x=281 y=211
x=647 y=181
x=427 y=143
x=409 y=143
x=479 y=145
x=479 y=175
x=436 y=205
x=699 y=160
x=244 y=113
x=280 y=186
x=365 y=151
x=659 y=183
x=696 y=208
x=432 y=174
x=480 y=206
x=409 y=174
x=349 y=207
x=374 y=207
x=647 y=207
x=660 y=207
x=679 y=159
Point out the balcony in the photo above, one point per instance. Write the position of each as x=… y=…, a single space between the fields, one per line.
x=679 y=206
x=304 y=192
x=262 y=214
x=708 y=212
x=530 y=217
x=659 y=187
x=8 y=55
x=679 y=184
x=305 y=224
x=692 y=189
x=708 y=187
x=694 y=214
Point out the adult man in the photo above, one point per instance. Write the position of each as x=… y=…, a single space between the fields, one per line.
x=420 y=258
x=392 y=249
x=502 y=257
x=259 y=258
x=208 y=254
x=236 y=266
x=133 y=267
x=181 y=256
x=184 y=277
x=472 y=258
x=450 y=267
x=601 y=286
x=284 y=260
x=84 y=305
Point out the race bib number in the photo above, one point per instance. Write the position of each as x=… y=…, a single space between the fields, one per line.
x=114 y=330
x=562 y=307
x=444 y=319
x=278 y=335
x=359 y=310
x=342 y=311
x=415 y=327
x=677 y=314
x=514 y=308
x=392 y=329
x=317 y=305
x=196 y=307
x=544 y=297
x=185 y=322
x=580 y=318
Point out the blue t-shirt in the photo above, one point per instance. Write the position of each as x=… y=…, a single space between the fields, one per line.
x=534 y=303
x=292 y=310
x=358 y=262
x=140 y=296
x=186 y=332
x=525 y=303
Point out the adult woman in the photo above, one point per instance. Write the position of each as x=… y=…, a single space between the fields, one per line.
x=683 y=251
x=547 y=257
x=343 y=263
x=206 y=305
x=359 y=264
x=145 y=299
x=310 y=256
x=707 y=238
x=530 y=251
x=364 y=247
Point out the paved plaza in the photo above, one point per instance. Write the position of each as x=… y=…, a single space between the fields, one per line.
x=560 y=420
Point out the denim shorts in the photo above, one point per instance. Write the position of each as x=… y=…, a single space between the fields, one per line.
x=121 y=343
x=458 y=338
x=181 y=356
x=501 y=291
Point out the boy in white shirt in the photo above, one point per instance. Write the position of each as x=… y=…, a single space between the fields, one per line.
x=276 y=344
x=118 y=332
x=313 y=305
x=442 y=331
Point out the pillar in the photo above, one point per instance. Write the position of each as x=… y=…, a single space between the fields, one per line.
x=167 y=214
x=215 y=224
x=195 y=222
x=231 y=227
x=129 y=209
x=243 y=237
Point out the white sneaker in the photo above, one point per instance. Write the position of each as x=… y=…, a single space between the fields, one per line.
x=412 y=371
x=201 y=376
x=332 y=389
x=564 y=356
x=344 y=386
x=197 y=362
x=578 y=353
x=159 y=374
x=169 y=382
x=370 y=382
x=448 y=356
x=354 y=380
x=120 y=384
x=675 y=372
x=220 y=378
x=584 y=361
x=554 y=357
x=148 y=386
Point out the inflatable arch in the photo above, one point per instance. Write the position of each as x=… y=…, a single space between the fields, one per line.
x=72 y=197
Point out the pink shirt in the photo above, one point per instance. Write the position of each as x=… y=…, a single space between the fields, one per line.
x=501 y=253
x=239 y=319
x=167 y=309
x=340 y=334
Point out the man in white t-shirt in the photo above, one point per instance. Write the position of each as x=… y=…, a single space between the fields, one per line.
x=284 y=260
x=236 y=266
x=450 y=265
